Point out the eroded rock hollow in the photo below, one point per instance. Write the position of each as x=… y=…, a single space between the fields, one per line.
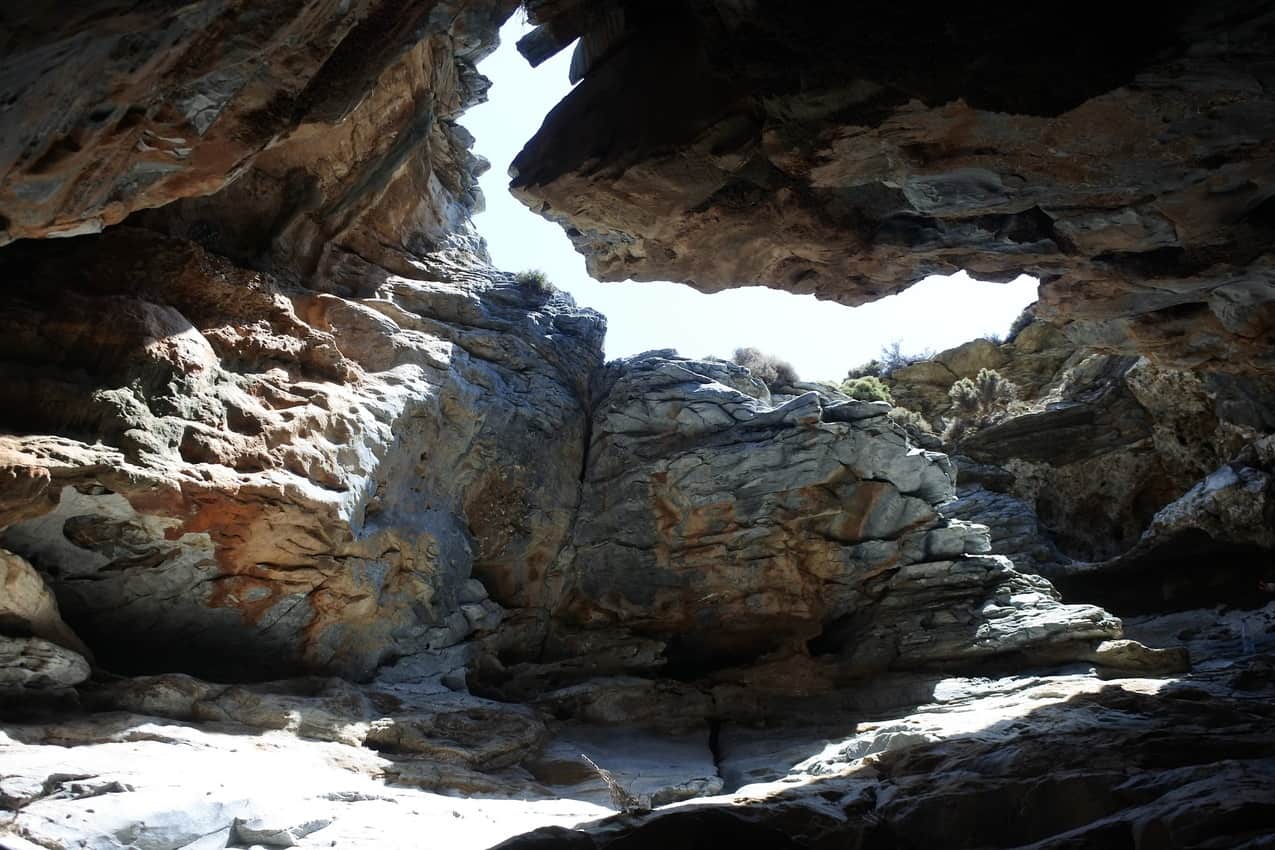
x=316 y=529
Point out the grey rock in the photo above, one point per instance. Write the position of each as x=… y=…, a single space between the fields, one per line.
x=38 y=663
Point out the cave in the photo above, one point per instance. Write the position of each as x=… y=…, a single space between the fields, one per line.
x=319 y=527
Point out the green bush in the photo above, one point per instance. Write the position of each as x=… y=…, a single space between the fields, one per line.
x=867 y=388
x=911 y=421
x=1024 y=319
x=979 y=401
x=535 y=281
x=767 y=368
x=871 y=369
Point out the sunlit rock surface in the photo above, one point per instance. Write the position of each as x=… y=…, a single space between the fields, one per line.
x=243 y=478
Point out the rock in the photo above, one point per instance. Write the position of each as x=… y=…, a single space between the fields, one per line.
x=1121 y=657
x=28 y=607
x=811 y=153
x=728 y=529
x=1056 y=748
x=1092 y=447
x=655 y=769
x=284 y=481
x=1213 y=544
x=37 y=663
x=273 y=833
x=126 y=110
x=303 y=468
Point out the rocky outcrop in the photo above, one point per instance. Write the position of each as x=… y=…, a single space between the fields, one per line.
x=352 y=521
x=1214 y=542
x=716 y=530
x=242 y=478
x=37 y=649
x=308 y=116
x=1090 y=449
x=851 y=155
x=1051 y=764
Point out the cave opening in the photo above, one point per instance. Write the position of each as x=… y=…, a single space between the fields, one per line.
x=822 y=340
x=1190 y=570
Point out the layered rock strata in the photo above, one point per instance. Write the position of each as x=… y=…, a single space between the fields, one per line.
x=281 y=417
x=851 y=155
x=1091 y=448
x=241 y=478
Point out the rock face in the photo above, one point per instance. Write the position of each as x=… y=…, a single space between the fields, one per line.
x=851 y=155
x=272 y=479
x=1093 y=446
x=127 y=109
x=715 y=529
x=348 y=520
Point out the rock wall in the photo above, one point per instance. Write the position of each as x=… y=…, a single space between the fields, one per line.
x=242 y=478
x=280 y=425
x=1092 y=446
x=849 y=155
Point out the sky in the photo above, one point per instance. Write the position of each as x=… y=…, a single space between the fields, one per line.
x=820 y=338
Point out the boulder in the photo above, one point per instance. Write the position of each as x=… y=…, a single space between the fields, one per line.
x=27 y=606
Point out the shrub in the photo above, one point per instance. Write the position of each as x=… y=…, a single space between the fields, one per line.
x=535 y=281
x=867 y=388
x=912 y=422
x=893 y=357
x=871 y=369
x=979 y=401
x=767 y=368
x=1024 y=319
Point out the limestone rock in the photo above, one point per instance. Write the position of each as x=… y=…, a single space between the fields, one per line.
x=280 y=480
x=125 y=109
x=37 y=663
x=813 y=153
x=27 y=606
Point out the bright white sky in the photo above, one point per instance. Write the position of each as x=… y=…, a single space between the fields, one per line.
x=820 y=338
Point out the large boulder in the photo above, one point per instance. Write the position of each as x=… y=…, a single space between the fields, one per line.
x=724 y=528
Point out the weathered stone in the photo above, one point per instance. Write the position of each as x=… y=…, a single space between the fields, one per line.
x=128 y=109
x=812 y=153
x=37 y=663
x=283 y=480
x=27 y=607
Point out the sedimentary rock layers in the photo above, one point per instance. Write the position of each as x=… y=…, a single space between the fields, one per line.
x=728 y=528
x=849 y=154
x=239 y=477
x=130 y=106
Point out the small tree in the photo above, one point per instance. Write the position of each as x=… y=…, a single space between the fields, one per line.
x=535 y=281
x=979 y=401
x=1024 y=319
x=767 y=368
x=867 y=388
x=871 y=369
